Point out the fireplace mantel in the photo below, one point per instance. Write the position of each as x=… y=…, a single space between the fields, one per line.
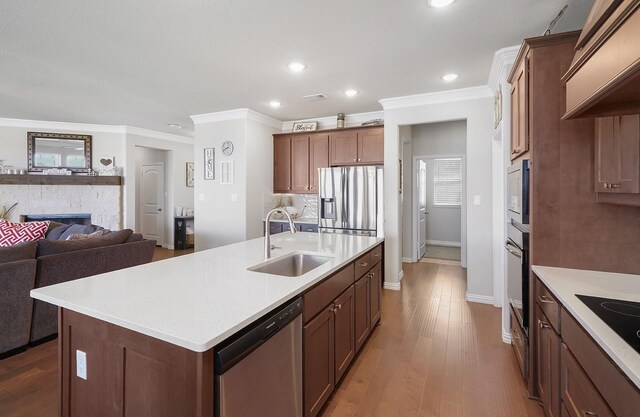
x=60 y=180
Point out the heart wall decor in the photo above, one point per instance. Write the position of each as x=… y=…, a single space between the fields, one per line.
x=106 y=162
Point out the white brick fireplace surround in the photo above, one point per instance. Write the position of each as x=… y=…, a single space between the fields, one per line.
x=104 y=202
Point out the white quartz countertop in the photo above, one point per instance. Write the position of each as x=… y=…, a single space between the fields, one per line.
x=566 y=283
x=196 y=301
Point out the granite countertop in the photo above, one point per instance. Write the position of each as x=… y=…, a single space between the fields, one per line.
x=566 y=283
x=196 y=301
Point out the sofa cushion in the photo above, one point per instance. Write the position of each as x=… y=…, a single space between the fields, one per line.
x=53 y=247
x=13 y=233
x=81 y=236
x=19 y=252
x=135 y=237
x=84 y=229
x=55 y=229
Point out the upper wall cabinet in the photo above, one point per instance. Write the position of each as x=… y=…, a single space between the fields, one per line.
x=604 y=77
x=358 y=146
x=520 y=109
x=282 y=164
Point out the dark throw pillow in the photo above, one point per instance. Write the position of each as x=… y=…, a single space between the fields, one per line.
x=54 y=247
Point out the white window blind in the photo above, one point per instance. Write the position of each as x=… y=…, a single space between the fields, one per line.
x=447 y=182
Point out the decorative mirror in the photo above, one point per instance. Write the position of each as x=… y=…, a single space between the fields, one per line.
x=59 y=150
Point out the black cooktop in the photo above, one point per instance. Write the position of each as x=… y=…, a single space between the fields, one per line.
x=621 y=315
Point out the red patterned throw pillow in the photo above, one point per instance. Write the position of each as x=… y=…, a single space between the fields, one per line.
x=13 y=233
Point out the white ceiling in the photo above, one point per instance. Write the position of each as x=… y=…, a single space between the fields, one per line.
x=147 y=63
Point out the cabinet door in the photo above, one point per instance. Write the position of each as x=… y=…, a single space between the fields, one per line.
x=318 y=158
x=362 y=321
x=319 y=369
x=282 y=164
x=618 y=154
x=520 y=111
x=375 y=290
x=343 y=148
x=345 y=345
x=371 y=146
x=300 y=164
x=626 y=151
x=579 y=396
x=548 y=363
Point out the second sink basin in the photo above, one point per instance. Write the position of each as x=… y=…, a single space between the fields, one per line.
x=291 y=265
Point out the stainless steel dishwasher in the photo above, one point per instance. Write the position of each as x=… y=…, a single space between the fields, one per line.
x=258 y=371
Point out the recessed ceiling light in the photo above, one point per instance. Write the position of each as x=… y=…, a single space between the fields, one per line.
x=439 y=3
x=351 y=92
x=175 y=125
x=296 y=66
x=275 y=103
x=450 y=77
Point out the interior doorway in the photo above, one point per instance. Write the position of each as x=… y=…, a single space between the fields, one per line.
x=438 y=207
x=152 y=209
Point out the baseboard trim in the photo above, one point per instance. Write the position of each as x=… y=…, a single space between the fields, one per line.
x=476 y=298
x=444 y=243
x=168 y=246
x=395 y=286
x=506 y=337
x=401 y=275
x=407 y=260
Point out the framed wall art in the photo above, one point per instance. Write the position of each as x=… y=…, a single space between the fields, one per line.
x=190 y=174
x=209 y=164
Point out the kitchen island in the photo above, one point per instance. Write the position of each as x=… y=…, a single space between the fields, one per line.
x=144 y=336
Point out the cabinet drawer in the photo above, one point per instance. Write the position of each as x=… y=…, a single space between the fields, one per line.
x=376 y=255
x=306 y=227
x=619 y=393
x=362 y=265
x=579 y=396
x=328 y=290
x=548 y=304
x=519 y=343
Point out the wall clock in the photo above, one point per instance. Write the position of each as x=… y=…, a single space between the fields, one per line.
x=227 y=148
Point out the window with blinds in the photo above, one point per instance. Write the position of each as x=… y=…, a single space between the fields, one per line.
x=447 y=182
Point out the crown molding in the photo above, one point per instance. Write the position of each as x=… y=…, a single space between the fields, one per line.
x=502 y=59
x=448 y=96
x=43 y=124
x=131 y=130
x=329 y=122
x=235 y=114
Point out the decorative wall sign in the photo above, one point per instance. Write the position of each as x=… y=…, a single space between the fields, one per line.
x=305 y=126
x=190 y=174
x=107 y=165
x=497 y=107
x=209 y=164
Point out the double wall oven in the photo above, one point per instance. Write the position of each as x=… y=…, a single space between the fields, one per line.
x=517 y=244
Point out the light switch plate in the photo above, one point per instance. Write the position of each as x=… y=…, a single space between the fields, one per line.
x=201 y=197
x=234 y=197
x=476 y=200
x=81 y=364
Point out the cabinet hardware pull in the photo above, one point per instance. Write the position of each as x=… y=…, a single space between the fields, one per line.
x=589 y=414
x=515 y=335
x=339 y=306
x=614 y=185
x=375 y=254
x=544 y=299
x=363 y=264
x=373 y=274
x=543 y=324
x=514 y=151
x=355 y=160
x=605 y=185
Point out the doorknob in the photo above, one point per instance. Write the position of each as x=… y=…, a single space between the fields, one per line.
x=159 y=209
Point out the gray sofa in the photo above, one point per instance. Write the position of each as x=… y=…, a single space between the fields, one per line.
x=52 y=261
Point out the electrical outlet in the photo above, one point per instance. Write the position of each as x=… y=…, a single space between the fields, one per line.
x=81 y=364
x=234 y=197
x=476 y=200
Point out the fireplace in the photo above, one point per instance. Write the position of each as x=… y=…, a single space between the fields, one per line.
x=72 y=218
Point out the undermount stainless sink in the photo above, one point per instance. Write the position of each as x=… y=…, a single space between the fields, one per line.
x=291 y=265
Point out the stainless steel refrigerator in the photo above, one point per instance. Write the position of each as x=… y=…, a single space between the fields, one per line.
x=351 y=200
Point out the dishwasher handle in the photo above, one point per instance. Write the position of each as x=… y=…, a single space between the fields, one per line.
x=241 y=344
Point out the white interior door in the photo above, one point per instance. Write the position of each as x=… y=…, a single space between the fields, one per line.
x=422 y=207
x=152 y=201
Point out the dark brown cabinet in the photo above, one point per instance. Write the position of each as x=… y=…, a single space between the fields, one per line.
x=548 y=363
x=282 y=164
x=353 y=147
x=618 y=154
x=362 y=321
x=375 y=308
x=297 y=159
x=319 y=369
x=344 y=337
x=520 y=109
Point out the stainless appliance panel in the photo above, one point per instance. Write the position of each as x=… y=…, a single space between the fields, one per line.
x=348 y=198
x=517 y=246
x=518 y=191
x=260 y=374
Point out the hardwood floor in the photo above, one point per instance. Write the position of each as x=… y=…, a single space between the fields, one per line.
x=163 y=253
x=434 y=354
